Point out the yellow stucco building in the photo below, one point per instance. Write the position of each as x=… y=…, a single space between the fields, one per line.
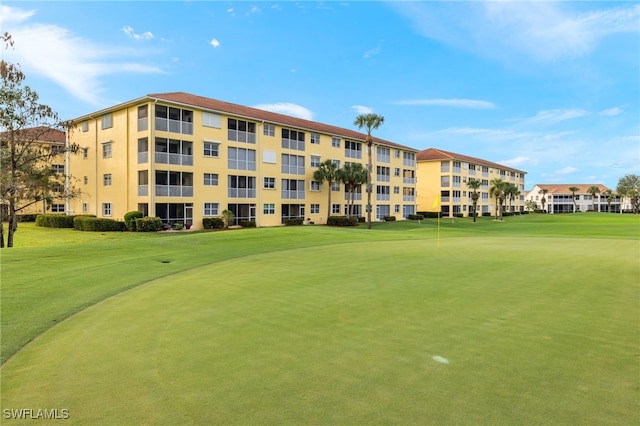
x=445 y=175
x=183 y=157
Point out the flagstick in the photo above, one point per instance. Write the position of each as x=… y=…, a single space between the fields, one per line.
x=438 y=229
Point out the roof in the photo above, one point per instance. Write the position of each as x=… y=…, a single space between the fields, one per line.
x=433 y=154
x=563 y=188
x=37 y=134
x=214 y=105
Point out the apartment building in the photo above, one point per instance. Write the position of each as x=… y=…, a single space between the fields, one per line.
x=559 y=198
x=184 y=157
x=445 y=174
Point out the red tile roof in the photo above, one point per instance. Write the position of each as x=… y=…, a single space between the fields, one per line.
x=434 y=154
x=38 y=134
x=563 y=188
x=268 y=116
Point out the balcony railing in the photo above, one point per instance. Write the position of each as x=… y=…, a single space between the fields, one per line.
x=292 y=195
x=383 y=178
x=143 y=190
x=242 y=193
x=170 y=158
x=409 y=180
x=408 y=198
x=174 y=191
x=175 y=126
x=143 y=157
x=383 y=197
x=357 y=196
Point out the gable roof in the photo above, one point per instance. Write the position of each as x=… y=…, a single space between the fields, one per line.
x=563 y=188
x=434 y=154
x=37 y=134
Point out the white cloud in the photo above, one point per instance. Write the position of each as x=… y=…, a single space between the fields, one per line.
x=519 y=161
x=79 y=63
x=610 y=112
x=287 y=109
x=147 y=35
x=231 y=12
x=361 y=109
x=254 y=10
x=214 y=42
x=556 y=115
x=566 y=170
x=371 y=52
x=457 y=103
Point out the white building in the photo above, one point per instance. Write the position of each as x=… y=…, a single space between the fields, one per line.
x=560 y=199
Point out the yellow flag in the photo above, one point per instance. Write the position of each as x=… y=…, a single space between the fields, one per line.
x=437 y=202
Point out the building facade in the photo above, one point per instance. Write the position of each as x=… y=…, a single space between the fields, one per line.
x=183 y=157
x=559 y=198
x=443 y=176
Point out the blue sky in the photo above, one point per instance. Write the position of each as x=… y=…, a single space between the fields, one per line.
x=551 y=88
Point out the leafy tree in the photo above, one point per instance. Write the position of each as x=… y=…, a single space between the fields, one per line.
x=327 y=172
x=26 y=172
x=474 y=185
x=352 y=175
x=511 y=191
x=369 y=122
x=593 y=190
x=609 y=194
x=227 y=217
x=629 y=186
x=497 y=190
x=573 y=190
x=543 y=200
x=531 y=205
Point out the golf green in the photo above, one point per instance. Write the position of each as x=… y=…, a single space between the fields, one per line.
x=486 y=330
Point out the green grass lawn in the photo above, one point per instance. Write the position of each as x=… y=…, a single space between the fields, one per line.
x=530 y=320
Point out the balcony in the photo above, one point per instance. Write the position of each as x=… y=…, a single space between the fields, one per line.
x=171 y=158
x=409 y=181
x=143 y=190
x=174 y=191
x=174 y=126
x=242 y=193
x=408 y=198
x=143 y=157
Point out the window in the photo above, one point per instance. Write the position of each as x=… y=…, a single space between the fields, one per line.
x=293 y=164
x=86 y=180
x=241 y=131
x=383 y=174
x=85 y=153
x=242 y=159
x=58 y=168
x=352 y=149
x=85 y=207
x=106 y=150
x=396 y=208
x=335 y=208
x=444 y=166
x=396 y=153
x=409 y=159
x=315 y=208
x=444 y=181
x=85 y=126
x=143 y=116
x=211 y=149
x=456 y=182
x=210 y=119
x=106 y=209
x=210 y=209
x=241 y=186
x=314 y=185
x=176 y=120
x=382 y=192
x=335 y=186
x=106 y=121
x=57 y=208
x=106 y=179
x=269 y=208
x=396 y=190
x=293 y=189
x=269 y=130
x=383 y=155
x=293 y=139
x=315 y=138
x=211 y=179
x=174 y=151
x=396 y=171
x=335 y=142
x=315 y=161
x=269 y=183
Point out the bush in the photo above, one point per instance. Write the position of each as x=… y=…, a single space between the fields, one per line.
x=27 y=217
x=129 y=218
x=486 y=214
x=54 y=221
x=342 y=221
x=458 y=215
x=389 y=218
x=148 y=224
x=212 y=223
x=88 y=223
x=294 y=221
x=362 y=219
x=249 y=223
x=429 y=215
x=415 y=217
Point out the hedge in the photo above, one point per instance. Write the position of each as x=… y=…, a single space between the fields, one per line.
x=342 y=221
x=95 y=224
x=148 y=224
x=28 y=217
x=415 y=217
x=129 y=218
x=249 y=223
x=294 y=221
x=212 y=223
x=429 y=215
x=53 y=220
x=389 y=218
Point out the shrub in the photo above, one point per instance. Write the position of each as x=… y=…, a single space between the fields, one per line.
x=212 y=223
x=415 y=217
x=249 y=223
x=54 y=221
x=429 y=215
x=342 y=221
x=95 y=224
x=486 y=214
x=362 y=219
x=148 y=224
x=458 y=215
x=294 y=221
x=129 y=217
x=389 y=218
x=27 y=217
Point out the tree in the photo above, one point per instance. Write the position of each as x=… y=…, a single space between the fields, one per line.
x=531 y=205
x=543 y=200
x=573 y=190
x=497 y=190
x=352 y=175
x=629 y=186
x=593 y=190
x=26 y=173
x=609 y=194
x=369 y=122
x=510 y=193
x=474 y=185
x=227 y=217
x=327 y=172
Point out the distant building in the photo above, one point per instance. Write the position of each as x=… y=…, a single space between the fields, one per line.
x=560 y=199
x=445 y=174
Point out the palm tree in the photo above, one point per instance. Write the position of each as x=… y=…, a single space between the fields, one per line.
x=497 y=190
x=352 y=175
x=369 y=122
x=510 y=193
x=474 y=184
x=593 y=190
x=573 y=190
x=543 y=200
x=327 y=172
x=609 y=194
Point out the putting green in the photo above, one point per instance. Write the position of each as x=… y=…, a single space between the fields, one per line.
x=479 y=331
